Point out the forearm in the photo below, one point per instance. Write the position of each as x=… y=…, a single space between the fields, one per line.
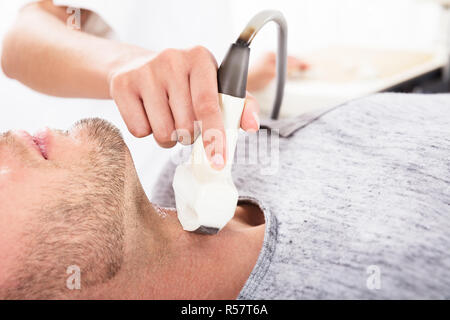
x=44 y=54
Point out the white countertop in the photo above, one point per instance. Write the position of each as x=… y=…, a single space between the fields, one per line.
x=340 y=74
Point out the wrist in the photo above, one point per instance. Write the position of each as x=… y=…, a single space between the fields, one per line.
x=126 y=58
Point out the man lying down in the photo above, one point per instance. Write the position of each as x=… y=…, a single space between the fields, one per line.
x=359 y=207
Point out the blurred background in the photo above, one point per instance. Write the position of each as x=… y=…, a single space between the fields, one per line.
x=354 y=48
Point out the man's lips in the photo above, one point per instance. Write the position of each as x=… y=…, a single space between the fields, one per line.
x=37 y=142
x=40 y=138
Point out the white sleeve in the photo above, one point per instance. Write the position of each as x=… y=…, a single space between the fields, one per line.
x=110 y=12
x=101 y=23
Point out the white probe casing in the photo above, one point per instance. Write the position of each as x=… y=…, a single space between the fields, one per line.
x=206 y=198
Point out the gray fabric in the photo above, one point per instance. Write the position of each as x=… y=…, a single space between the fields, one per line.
x=286 y=127
x=365 y=187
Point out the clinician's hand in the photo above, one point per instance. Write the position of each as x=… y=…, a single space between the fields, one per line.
x=161 y=93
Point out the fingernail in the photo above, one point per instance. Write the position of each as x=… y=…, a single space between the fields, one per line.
x=256 y=118
x=217 y=161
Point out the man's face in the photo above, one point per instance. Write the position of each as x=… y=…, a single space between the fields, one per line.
x=61 y=204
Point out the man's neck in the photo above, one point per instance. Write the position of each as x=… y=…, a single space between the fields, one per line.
x=184 y=265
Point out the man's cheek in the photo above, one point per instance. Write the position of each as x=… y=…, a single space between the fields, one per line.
x=18 y=211
x=5 y=176
x=21 y=192
x=12 y=228
x=10 y=186
x=13 y=203
x=12 y=172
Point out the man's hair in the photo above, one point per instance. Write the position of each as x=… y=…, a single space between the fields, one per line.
x=82 y=227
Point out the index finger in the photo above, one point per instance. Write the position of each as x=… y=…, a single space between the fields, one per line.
x=205 y=100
